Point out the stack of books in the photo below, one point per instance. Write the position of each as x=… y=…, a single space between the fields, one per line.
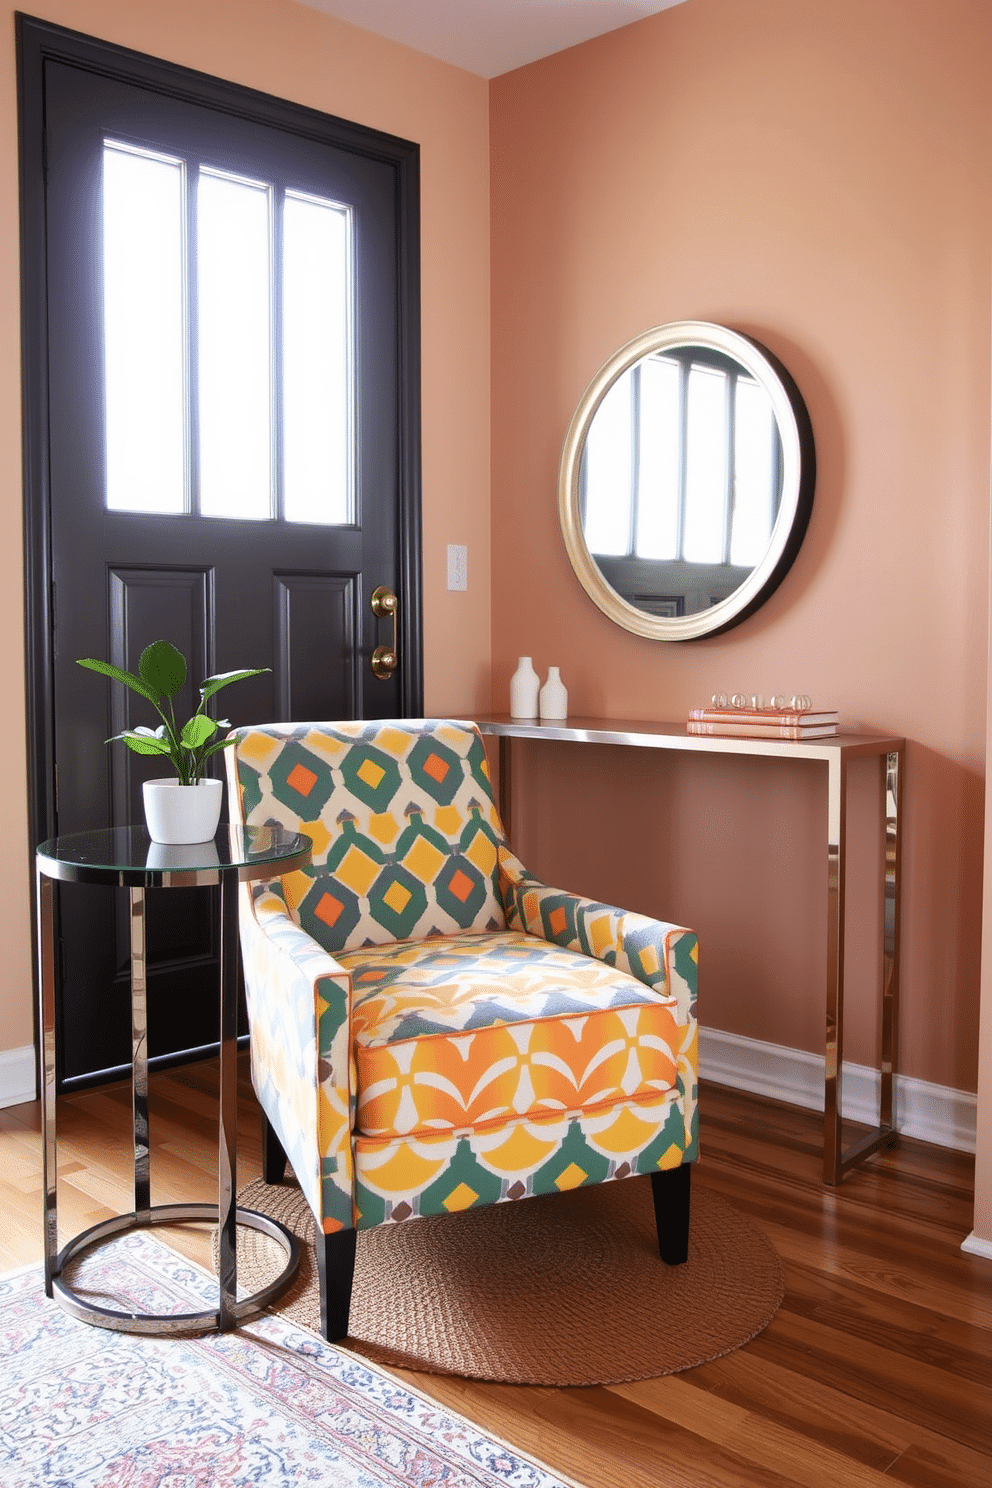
x=764 y=723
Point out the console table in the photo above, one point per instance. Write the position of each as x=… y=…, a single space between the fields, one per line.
x=834 y=752
x=126 y=857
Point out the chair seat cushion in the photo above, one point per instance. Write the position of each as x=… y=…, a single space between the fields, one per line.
x=465 y=1031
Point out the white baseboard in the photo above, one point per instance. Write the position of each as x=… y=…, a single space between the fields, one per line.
x=17 y=1076
x=934 y=1113
x=974 y=1246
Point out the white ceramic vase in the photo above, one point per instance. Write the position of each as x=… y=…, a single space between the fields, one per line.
x=553 y=698
x=178 y=814
x=525 y=685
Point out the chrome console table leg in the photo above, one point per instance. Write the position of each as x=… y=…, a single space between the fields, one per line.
x=891 y=873
x=834 y=1060
x=837 y=1161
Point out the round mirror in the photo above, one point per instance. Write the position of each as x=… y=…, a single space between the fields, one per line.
x=686 y=481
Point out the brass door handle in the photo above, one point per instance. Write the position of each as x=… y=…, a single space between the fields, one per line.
x=385 y=659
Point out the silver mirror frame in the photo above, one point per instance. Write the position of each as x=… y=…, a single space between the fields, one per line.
x=798 y=480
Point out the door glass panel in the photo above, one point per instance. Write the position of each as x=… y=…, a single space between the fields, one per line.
x=144 y=320
x=235 y=361
x=318 y=413
x=146 y=354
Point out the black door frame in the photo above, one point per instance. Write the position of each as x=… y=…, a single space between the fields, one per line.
x=39 y=42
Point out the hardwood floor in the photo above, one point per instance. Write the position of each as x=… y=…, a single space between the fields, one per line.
x=877 y=1368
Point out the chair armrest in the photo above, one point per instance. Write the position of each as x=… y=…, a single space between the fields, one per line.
x=660 y=955
x=268 y=922
x=299 y=1011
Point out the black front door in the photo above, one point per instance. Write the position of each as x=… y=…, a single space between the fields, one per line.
x=230 y=422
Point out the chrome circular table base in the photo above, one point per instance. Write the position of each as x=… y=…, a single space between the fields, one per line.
x=180 y=1323
x=125 y=857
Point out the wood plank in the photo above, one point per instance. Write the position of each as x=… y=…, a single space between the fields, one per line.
x=954 y=1289
x=761 y=1441
x=866 y=1435
x=941 y=1464
x=900 y=1322
x=924 y=1394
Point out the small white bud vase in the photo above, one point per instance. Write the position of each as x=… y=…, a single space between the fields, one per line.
x=554 y=698
x=525 y=685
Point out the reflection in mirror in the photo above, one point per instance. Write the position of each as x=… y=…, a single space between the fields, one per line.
x=686 y=480
x=680 y=480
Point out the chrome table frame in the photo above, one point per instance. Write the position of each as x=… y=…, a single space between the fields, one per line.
x=226 y=1214
x=835 y=751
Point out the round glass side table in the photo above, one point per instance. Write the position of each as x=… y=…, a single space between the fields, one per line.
x=126 y=857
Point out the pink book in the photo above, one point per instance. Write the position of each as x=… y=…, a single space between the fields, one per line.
x=746 y=729
x=752 y=716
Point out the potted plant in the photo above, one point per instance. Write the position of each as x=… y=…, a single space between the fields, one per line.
x=185 y=807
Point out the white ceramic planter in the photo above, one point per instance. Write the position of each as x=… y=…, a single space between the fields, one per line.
x=178 y=814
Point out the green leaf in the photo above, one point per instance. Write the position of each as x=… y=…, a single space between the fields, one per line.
x=142 y=743
x=106 y=669
x=220 y=744
x=197 y=731
x=210 y=685
x=163 y=668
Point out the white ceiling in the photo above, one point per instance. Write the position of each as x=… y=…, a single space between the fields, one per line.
x=490 y=37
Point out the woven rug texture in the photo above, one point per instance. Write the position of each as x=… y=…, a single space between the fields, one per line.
x=267 y=1404
x=567 y=1289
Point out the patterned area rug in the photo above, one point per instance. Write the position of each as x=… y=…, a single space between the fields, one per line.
x=82 y=1407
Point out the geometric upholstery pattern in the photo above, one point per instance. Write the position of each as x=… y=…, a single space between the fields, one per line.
x=299 y=1021
x=616 y=936
x=414 y=988
x=500 y=1027
x=404 y=1177
x=663 y=957
x=404 y=826
x=432 y=1028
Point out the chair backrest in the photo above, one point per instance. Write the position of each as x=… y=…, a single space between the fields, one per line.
x=402 y=817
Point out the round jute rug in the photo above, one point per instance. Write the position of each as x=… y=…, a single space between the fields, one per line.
x=563 y=1290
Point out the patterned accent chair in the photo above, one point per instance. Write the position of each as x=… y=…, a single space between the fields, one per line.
x=431 y=1027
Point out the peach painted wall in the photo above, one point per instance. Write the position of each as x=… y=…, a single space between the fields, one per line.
x=297 y=53
x=818 y=177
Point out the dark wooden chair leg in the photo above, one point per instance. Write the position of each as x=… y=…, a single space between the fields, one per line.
x=273 y=1154
x=336 y=1269
x=670 y=1191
